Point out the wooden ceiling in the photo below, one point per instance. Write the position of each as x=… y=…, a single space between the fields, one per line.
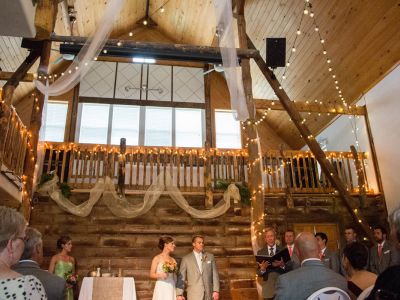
x=362 y=39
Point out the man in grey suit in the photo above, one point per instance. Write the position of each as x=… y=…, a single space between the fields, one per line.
x=270 y=273
x=383 y=254
x=29 y=263
x=198 y=273
x=294 y=262
x=311 y=276
x=328 y=257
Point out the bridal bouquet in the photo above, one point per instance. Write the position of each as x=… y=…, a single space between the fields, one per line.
x=71 y=278
x=170 y=267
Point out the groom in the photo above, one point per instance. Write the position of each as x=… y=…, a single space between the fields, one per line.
x=199 y=272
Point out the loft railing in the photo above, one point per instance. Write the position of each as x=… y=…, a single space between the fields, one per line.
x=13 y=143
x=81 y=165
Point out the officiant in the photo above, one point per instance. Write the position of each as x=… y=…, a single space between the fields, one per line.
x=270 y=272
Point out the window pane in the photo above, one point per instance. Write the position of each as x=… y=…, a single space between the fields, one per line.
x=56 y=115
x=227 y=130
x=125 y=124
x=188 y=127
x=94 y=123
x=158 y=127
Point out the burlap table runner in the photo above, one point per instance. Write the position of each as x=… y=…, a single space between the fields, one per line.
x=108 y=288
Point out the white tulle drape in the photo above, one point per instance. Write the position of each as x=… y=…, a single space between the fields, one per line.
x=121 y=207
x=83 y=60
x=230 y=63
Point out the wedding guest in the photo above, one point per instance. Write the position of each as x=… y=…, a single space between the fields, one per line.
x=383 y=254
x=13 y=285
x=355 y=258
x=294 y=262
x=30 y=261
x=270 y=273
x=311 y=276
x=394 y=220
x=328 y=257
x=163 y=268
x=350 y=234
x=387 y=285
x=63 y=264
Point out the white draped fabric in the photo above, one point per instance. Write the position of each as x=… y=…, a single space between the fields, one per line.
x=230 y=63
x=121 y=207
x=83 y=60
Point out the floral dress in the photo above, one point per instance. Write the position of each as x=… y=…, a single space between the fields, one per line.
x=25 y=287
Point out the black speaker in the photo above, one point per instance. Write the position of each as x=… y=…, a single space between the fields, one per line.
x=276 y=52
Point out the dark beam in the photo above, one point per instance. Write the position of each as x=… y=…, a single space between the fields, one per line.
x=7 y=75
x=306 y=134
x=311 y=107
x=141 y=102
x=177 y=52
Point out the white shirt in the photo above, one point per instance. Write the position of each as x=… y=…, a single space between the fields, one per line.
x=309 y=259
x=199 y=258
x=273 y=247
x=323 y=251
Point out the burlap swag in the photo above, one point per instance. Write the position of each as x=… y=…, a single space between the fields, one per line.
x=121 y=207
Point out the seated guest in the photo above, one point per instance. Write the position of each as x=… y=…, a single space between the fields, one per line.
x=311 y=276
x=328 y=257
x=13 y=285
x=29 y=263
x=355 y=258
x=383 y=254
x=387 y=285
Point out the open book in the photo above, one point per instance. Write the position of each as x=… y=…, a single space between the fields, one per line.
x=283 y=254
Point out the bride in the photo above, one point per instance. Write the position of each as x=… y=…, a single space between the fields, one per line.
x=164 y=268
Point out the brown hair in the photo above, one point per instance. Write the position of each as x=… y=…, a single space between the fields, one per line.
x=63 y=240
x=197 y=236
x=164 y=240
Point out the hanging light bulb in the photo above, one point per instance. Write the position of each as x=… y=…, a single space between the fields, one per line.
x=145 y=22
x=162 y=9
x=131 y=33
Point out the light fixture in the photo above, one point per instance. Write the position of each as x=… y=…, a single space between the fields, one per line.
x=144 y=22
x=162 y=9
x=143 y=60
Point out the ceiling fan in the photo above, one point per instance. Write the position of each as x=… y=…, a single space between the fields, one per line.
x=217 y=68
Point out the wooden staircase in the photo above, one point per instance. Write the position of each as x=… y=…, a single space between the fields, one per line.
x=130 y=244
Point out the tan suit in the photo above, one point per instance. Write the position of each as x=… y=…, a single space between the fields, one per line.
x=199 y=284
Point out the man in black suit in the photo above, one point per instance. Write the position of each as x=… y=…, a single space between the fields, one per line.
x=328 y=257
x=270 y=273
x=29 y=263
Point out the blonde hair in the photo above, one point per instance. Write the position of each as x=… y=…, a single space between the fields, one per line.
x=12 y=223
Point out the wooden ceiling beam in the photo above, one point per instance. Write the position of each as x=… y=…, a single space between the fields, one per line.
x=156 y=50
x=7 y=75
x=327 y=167
x=311 y=107
x=45 y=18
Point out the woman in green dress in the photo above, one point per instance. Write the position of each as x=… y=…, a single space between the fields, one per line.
x=62 y=264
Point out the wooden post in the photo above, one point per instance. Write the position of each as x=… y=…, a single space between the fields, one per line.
x=121 y=166
x=375 y=158
x=287 y=174
x=306 y=134
x=207 y=176
x=361 y=178
x=255 y=175
x=207 y=109
x=34 y=128
x=72 y=116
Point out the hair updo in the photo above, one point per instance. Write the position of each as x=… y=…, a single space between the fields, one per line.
x=164 y=240
x=63 y=240
x=357 y=254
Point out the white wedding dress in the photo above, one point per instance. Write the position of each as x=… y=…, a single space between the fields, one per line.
x=165 y=288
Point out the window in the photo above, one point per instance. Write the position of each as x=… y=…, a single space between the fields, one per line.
x=158 y=126
x=55 y=119
x=125 y=124
x=189 y=127
x=227 y=130
x=94 y=123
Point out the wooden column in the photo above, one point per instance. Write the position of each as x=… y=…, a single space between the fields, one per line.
x=306 y=134
x=72 y=116
x=207 y=109
x=360 y=177
x=255 y=170
x=374 y=158
x=121 y=166
x=33 y=138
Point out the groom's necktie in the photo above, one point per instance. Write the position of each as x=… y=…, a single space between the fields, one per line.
x=199 y=261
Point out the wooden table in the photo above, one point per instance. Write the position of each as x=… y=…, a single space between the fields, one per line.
x=108 y=288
